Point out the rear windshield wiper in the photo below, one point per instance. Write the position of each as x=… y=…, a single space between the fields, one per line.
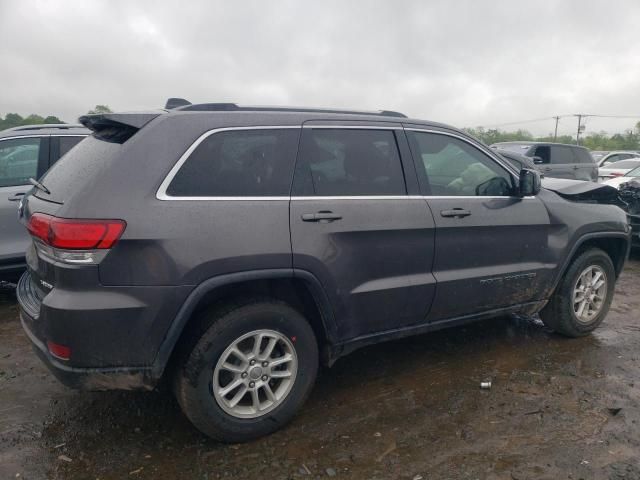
x=39 y=186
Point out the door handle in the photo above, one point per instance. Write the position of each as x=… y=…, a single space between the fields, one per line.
x=322 y=217
x=575 y=167
x=16 y=197
x=456 y=213
x=548 y=169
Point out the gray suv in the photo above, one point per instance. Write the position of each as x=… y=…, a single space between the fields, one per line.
x=234 y=249
x=26 y=152
x=557 y=160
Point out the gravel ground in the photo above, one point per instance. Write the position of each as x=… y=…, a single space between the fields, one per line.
x=411 y=409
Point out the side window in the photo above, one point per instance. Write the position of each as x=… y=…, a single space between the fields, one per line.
x=544 y=153
x=239 y=163
x=448 y=166
x=562 y=155
x=18 y=161
x=350 y=162
x=67 y=143
x=611 y=159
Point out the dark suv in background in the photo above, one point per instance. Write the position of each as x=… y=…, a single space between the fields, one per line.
x=233 y=249
x=556 y=159
x=26 y=152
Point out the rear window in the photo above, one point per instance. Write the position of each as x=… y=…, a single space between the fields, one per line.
x=239 y=163
x=81 y=164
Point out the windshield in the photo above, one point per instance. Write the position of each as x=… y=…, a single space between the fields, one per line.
x=624 y=164
x=634 y=173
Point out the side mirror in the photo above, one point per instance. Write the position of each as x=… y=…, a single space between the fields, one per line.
x=538 y=160
x=530 y=183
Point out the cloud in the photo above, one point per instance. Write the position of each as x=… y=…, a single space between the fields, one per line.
x=466 y=63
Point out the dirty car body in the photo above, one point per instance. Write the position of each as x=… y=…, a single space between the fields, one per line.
x=369 y=231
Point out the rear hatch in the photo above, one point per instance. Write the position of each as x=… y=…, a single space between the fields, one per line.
x=71 y=266
x=83 y=164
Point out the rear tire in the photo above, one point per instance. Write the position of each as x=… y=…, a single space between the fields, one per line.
x=224 y=354
x=583 y=297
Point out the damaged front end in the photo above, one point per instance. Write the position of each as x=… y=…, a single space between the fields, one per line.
x=630 y=195
x=585 y=192
x=627 y=197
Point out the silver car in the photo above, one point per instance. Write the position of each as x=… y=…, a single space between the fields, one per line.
x=556 y=160
x=26 y=152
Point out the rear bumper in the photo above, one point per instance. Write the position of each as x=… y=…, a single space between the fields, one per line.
x=113 y=332
x=94 y=379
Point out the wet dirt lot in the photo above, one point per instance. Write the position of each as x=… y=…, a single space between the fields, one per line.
x=411 y=409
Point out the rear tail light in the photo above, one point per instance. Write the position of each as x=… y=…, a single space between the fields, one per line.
x=616 y=174
x=61 y=352
x=74 y=240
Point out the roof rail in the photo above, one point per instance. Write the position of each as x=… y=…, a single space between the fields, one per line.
x=233 y=107
x=45 y=126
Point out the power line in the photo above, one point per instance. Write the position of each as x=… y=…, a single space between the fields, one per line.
x=557 y=118
x=520 y=122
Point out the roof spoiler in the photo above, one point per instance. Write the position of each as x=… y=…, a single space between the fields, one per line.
x=117 y=127
x=176 y=102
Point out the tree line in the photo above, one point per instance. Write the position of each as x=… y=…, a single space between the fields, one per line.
x=11 y=120
x=629 y=140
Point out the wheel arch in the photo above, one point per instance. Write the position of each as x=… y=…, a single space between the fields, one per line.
x=299 y=288
x=615 y=244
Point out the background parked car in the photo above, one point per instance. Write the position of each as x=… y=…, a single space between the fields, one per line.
x=617 y=169
x=619 y=180
x=598 y=154
x=518 y=160
x=556 y=159
x=612 y=157
x=26 y=152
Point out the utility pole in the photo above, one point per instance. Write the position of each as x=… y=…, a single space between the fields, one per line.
x=555 y=133
x=579 y=128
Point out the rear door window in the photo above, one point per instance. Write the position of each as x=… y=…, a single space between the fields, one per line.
x=239 y=163
x=583 y=156
x=350 y=162
x=67 y=143
x=562 y=155
x=19 y=160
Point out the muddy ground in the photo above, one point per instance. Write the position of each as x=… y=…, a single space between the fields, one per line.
x=411 y=409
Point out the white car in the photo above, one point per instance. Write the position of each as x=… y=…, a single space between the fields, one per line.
x=605 y=158
x=617 y=181
x=617 y=169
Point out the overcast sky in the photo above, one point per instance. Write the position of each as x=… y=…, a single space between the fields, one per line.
x=466 y=63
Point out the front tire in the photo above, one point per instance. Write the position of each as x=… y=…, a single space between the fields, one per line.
x=249 y=372
x=582 y=299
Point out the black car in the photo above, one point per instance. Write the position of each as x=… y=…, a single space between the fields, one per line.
x=234 y=249
x=517 y=160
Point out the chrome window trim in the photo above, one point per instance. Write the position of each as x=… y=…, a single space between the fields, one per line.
x=161 y=193
x=329 y=198
x=44 y=136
